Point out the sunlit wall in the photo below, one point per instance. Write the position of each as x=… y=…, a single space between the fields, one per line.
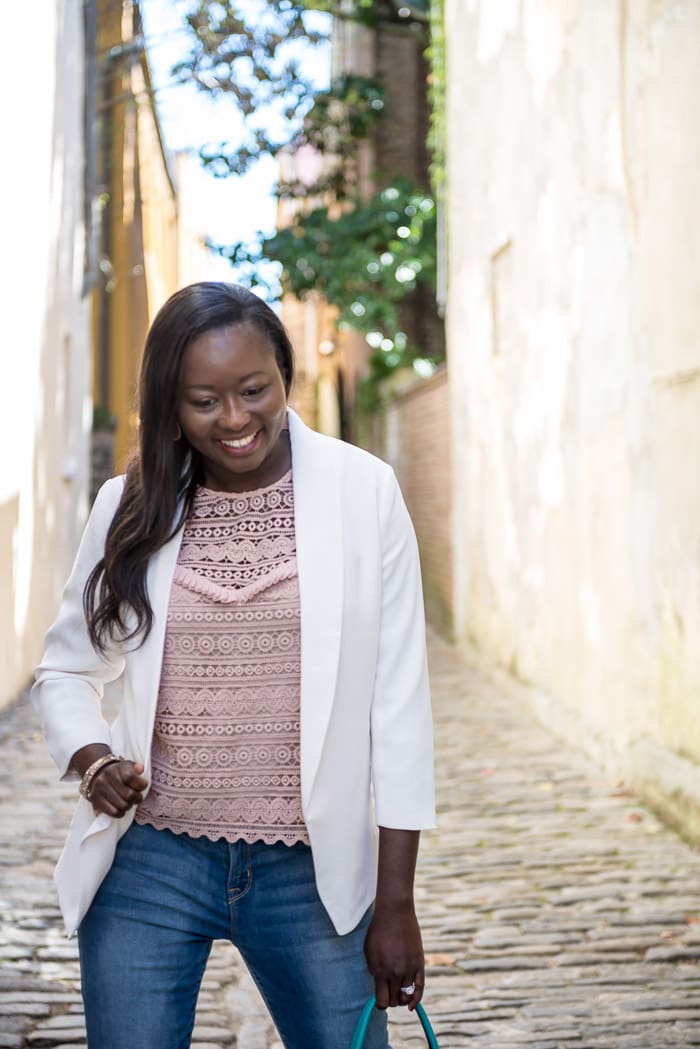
x=574 y=312
x=44 y=403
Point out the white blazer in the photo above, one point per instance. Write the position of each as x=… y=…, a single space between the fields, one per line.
x=366 y=735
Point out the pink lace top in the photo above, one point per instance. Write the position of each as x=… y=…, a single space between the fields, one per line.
x=225 y=752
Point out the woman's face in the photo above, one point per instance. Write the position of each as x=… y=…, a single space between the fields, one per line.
x=232 y=408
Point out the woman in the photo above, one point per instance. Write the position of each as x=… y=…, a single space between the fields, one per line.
x=252 y=590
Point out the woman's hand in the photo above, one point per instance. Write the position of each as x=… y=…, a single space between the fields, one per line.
x=394 y=953
x=117 y=787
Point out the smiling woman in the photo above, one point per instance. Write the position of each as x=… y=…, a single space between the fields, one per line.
x=233 y=409
x=254 y=588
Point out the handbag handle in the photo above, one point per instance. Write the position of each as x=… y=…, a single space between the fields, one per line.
x=358 y=1039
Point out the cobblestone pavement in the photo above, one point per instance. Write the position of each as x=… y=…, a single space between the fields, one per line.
x=557 y=912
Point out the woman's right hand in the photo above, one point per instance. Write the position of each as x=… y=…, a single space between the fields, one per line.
x=117 y=787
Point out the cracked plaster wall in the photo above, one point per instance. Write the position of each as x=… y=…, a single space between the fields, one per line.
x=574 y=356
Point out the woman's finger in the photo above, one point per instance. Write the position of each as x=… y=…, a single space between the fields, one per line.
x=132 y=775
x=412 y=990
x=382 y=992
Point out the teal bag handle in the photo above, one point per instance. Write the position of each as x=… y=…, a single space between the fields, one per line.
x=358 y=1039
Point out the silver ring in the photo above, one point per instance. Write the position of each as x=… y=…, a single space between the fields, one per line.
x=409 y=989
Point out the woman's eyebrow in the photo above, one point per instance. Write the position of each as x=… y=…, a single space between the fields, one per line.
x=212 y=386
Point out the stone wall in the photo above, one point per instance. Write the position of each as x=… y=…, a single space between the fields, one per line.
x=574 y=312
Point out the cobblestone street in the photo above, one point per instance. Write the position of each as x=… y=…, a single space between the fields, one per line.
x=557 y=912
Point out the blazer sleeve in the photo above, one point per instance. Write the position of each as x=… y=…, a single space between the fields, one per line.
x=401 y=722
x=70 y=679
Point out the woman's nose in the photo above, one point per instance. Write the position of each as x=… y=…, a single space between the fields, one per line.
x=235 y=414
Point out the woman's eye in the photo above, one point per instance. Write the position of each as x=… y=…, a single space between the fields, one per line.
x=205 y=403
x=254 y=391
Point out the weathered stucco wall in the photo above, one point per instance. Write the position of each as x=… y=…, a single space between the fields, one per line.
x=574 y=347
x=44 y=394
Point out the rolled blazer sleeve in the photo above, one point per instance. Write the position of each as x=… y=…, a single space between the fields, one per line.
x=70 y=680
x=401 y=722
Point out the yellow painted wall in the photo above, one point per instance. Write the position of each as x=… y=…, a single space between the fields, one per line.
x=141 y=242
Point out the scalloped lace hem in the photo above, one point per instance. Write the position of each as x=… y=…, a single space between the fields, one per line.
x=296 y=836
x=199 y=584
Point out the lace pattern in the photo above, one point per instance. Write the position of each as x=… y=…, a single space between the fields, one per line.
x=239 y=539
x=225 y=753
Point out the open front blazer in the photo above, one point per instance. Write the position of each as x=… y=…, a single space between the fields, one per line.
x=366 y=736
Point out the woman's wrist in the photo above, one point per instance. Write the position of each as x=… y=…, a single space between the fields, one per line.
x=87 y=756
x=394 y=906
x=398 y=850
x=88 y=780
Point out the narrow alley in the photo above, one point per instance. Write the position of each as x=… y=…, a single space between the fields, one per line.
x=557 y=912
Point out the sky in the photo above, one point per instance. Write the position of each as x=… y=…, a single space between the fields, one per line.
x=234 y=208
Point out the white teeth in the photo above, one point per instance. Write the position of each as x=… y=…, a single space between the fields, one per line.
x=243 y=442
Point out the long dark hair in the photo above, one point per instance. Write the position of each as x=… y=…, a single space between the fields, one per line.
x=162 y=476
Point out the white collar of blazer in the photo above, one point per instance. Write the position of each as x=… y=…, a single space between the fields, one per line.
x=319 y=541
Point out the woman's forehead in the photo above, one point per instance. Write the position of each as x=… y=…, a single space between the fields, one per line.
x=233 y=352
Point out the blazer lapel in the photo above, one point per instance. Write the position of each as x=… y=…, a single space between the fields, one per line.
x=319 y=542
x=148 y=659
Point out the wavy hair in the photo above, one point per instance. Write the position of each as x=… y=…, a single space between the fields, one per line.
x=162 y=476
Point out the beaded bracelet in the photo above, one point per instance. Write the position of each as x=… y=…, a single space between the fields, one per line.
x=90 y=773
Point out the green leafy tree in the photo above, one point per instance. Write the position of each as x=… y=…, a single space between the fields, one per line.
x=249 y=53
x=365 y=260
x=367 y=257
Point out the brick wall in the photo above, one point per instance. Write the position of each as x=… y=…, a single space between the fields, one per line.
x=401 y=136
x=412 y=432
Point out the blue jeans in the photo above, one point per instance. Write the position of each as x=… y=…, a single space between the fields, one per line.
x=145 y=941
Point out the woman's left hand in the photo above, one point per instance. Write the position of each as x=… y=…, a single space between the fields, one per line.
x=394 y=953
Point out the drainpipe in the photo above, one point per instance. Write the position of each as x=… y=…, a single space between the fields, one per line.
x=91 y=201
